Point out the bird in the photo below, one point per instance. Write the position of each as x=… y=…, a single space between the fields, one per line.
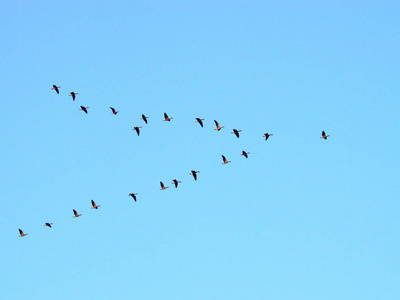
x=166 y=118
x=163 y=187
x=137 y=129
x=267 y=135
x=133 y=195
x=200 y=121
x=194 y=174
x=73 y=94
x=218 y=127
x=176 y=182
x=225 y=160
x=114 y=112
x=21 y=233
x=236 y=132
x=144 y=118
x=324 y=136
x=75 y=213
x=48 y=224
x=56 y=88
x=244 y=153
x=84 y=108
x=94 y=205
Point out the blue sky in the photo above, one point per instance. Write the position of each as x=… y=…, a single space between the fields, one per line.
x=301 y=218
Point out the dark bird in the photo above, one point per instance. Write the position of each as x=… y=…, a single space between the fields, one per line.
x=94 y=205
x=56 y=88
x=75 y=213
x=194 y=174
x=200 y=121
x=21 y=233
x=84 y=108
x=133 y=195
x=225 y=161
x=176 y=182
x=114 y=112
x=137 y=129
x=163 y=187
x=73 y=95
x=144 y=118
x=324 y=136
x=218 y=127
x=267 y=135
x=244 y=153
x=48 y=224
x=236 y=132
x=166 y=118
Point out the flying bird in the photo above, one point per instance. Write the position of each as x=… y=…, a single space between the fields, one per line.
x=176 y=182
x=200 y=121
x=114 y=112
x=267 y=135
x=73 y=94
x=94 y=205
x=236 y=132
x=163 y=187
x=324 y=136
x=166 y=118
x=225 y=160
x=194 y=174
x=144 y=118
x=133 y=195
x=75 y=213
x=56 y=88
x=21 y=233
x=218 y=127
x=84 y=108
x=48 y=224
x=244 y=153
x=137 y=129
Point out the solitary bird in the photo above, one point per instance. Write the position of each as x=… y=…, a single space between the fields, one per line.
x=56 y=88
x=48 y=224
x=133 y=195
x=21 y=233
x=225 y=160
x=324 y=136
x=176 y=182
x=84 y=108
x=236 y=132
x=73 y=94
x=244 y=153
x=144 y=118
x=194 y=174
x=163 y=187
x=75 y=213
x=114 y=112
x=267 y=135
x=94 y=205
x=137 y=129
x=218 y=127
x=200 y=121
x=166 y=118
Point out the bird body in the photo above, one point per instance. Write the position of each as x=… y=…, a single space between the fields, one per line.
x=84 y=108
x=21 y=233
x=144 y=118
x=194 y=174
x=137 y=129
x=76 y=214
x=267 y=135
x=113 y=111
x=73 y=94
x=244 y=153
x=56 y=88
x=94 y=206
x=166 y=118
x=163 y=187
x=133 y=195
x=236 y=132
x=324 y=136
x=48 y=224
x=175 y=182
x=200 y=121
x=225 y=161
x=218 y=127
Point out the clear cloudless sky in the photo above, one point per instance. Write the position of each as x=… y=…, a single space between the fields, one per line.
x=301 y=218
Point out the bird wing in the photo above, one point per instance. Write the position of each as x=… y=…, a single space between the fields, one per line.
x=165 y=116
x=93 y=204
x=21 y=232
x=75 y=213
x=162 y=184
x=323 y=133
x=216 y=123
x=223 y=158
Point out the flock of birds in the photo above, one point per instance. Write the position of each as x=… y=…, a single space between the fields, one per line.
x=137 y=129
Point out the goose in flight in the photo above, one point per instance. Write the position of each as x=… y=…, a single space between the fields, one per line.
x=324 y=136
x=175 y=182
x=76 y=214
x=236 y=132
x=244 y=153
x=267 y=135
x=113 y=111
x=166 y=118
x=21 y=233
x=144 y=118
x=84 y=108
x=225 y=161
x=48 y=224
x=163 y=187
x=94 y=206
x=137 y=129
x=218 y=127
x=133 y=195
x=194 y=174
x=200 y=121
x=56 y=88
x=73 y=94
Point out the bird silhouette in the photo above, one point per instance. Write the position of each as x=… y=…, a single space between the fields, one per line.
x=56 y=88
x=73 y=94
x=113 y=111
x=21 y=233
x=75 y=213
x=48 y=224
x=267 y=135
x=194 y=174
x=236 y=132
x=324 y=136
x=218 y=127
x=84 y=108
x=144 y=118
x=200 y=121
x=94 y=206
x=133 y=195
x=137 y=129
x=175 y=182
x=225 y=161
x=244 y=153
x=163 y=187
x=166 y=118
